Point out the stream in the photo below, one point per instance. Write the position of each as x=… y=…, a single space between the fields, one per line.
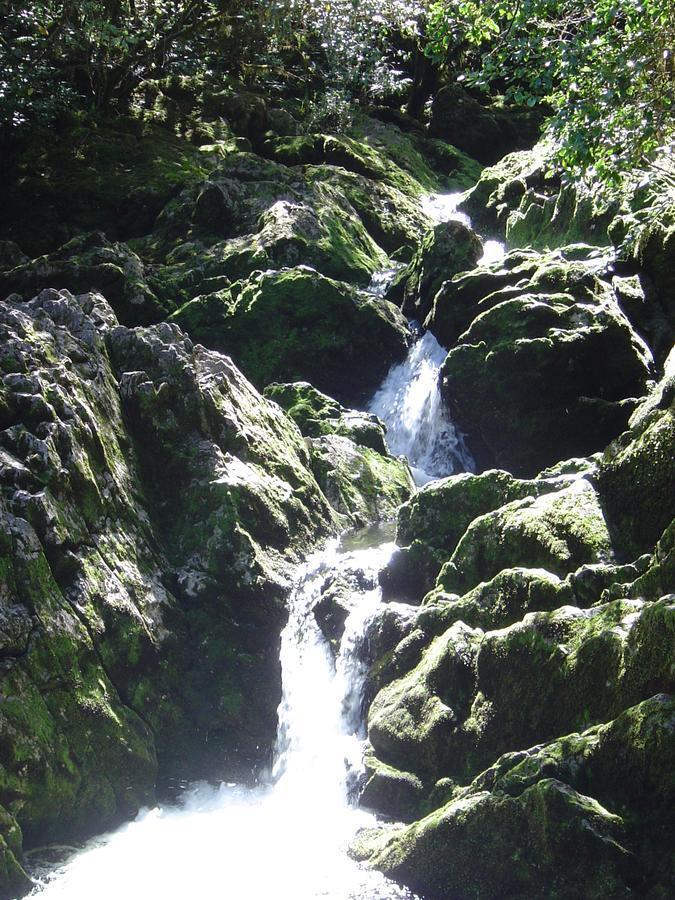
x=287 y=837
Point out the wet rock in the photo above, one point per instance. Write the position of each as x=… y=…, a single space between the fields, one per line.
x=544 y=376
x=590 y=808
x=362 y=485
x=317 y=414
x=451 y=247
x=295 y=324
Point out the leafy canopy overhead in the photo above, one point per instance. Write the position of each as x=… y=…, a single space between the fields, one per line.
x=604 y=68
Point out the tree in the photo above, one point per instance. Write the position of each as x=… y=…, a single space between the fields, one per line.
x=605 y=69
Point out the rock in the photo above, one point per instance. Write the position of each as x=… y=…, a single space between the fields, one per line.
x=246 y=112
x=317 y=414
x=556 y=531
x=152 y=502
x=636 y=478
x=91 y=263
x=413 y=720
x=295 y=324
x=590 y=808
x=432 y=522
x=505 y=598
x=362 y=485
x=543 y=376
x=461 y=299
x=389 y=791
x=473 y=696
x=521 y=198
x=449 y=248
x=485 y=133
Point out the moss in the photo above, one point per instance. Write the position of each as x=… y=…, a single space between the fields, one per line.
x=589 y=808
x=558 y=532
x=102 y=174
x=505 y=599
x=362 y=485
x=298 y=325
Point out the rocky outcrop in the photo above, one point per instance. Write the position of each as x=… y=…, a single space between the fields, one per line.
x=295 y=324
x=544 y=621
x=556 y=816
x=153 y=507
x=449 y=248
x=540 y=376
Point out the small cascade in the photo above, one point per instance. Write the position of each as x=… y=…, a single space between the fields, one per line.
x=443 y=208
x=419 y=426
x=287 y=838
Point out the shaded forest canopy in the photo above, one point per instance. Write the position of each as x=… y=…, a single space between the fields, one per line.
x=602 y=73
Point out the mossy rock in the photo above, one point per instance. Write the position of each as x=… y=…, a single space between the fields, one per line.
x=432 y=522
x=295 y=324
x=541 y=377
x=100 y=173
x=636 y=478
x=317 y=414
x=91 y=263
x=556 y=531
x=362 y=485
x=473 y=696
x=506 y=598
x=591 y=808
x=151 y=502
x=572 y=269
x=449 y=248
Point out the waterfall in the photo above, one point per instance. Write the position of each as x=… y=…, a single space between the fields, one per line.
x=409 y=400
x=286 y=838
x=418 y=423
x=443 y=208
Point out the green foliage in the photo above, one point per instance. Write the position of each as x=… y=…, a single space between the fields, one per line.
x=54 y=53
x=605 y=69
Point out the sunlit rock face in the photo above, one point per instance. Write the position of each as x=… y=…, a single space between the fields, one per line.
x=153 y=503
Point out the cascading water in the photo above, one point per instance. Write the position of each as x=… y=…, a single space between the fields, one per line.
x=283 y=839
x=409 y=401
x=443 y=208
x=418 y=424
x=287 y=837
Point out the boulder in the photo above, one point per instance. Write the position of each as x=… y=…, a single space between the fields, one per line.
x=475 y=695
x=295 y=324
x=317 y=414
x=540 y=377
x=449 y=248
x=592 y=808
x=557 y=531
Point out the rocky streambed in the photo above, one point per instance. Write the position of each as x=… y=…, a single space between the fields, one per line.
x=183 y=420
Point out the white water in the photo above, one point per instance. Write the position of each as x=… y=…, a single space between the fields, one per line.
x=286 y=839
x=418 y=424
x=443 y=208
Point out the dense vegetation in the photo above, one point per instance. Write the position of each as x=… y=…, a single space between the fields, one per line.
x=604 y=71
